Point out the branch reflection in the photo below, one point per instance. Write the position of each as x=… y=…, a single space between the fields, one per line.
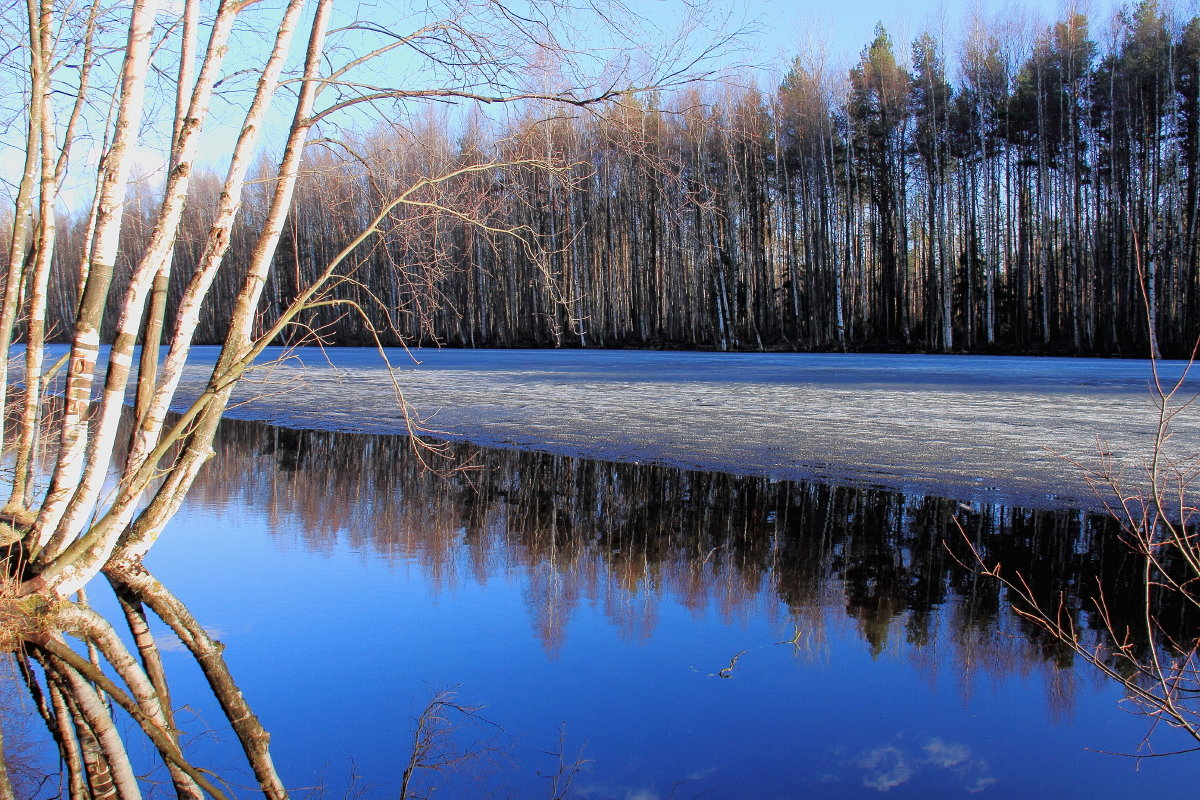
x=99 y=686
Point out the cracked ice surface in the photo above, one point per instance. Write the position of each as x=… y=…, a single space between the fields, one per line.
x=970 y=427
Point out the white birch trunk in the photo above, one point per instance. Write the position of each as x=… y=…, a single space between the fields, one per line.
x=74 y=557
x=111 y=196
x=188 y=313
x=156 y=258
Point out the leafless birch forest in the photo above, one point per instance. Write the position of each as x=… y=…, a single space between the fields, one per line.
x=1018 y=191
x=985 y=191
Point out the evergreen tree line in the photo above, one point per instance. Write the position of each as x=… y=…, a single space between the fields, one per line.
x=1045 y=201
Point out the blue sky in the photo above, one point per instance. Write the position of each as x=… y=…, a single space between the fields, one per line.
x=844 y=28
x=783 y=29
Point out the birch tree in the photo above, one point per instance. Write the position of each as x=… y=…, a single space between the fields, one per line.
x=266 y=78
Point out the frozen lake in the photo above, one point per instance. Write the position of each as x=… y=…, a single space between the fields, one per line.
x=738 y=630
x=972 y=427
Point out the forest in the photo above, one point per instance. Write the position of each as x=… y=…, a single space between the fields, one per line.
x=1025 y=194
x=1020 y=191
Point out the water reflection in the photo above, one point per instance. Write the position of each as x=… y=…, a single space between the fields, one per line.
x=99 y=684
x=335 y=654
x=627 y=538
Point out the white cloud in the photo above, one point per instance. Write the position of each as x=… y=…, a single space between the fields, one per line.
x=892 y=765
x=887 y=768
x=945 y=755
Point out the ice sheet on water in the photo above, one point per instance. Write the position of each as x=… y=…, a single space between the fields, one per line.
x=975 y=427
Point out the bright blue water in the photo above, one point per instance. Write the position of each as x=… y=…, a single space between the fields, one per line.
x=590 y=608
x=348 y=590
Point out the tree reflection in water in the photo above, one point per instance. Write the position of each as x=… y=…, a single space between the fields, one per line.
x=95 y=692
x=628 y=536
x=624 y=537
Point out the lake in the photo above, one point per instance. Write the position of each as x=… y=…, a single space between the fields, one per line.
x=656 y=629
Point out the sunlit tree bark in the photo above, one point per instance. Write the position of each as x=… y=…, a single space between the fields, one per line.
x=61 y=526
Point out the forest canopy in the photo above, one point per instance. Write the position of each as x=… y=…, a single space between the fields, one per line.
x=1003 y=195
